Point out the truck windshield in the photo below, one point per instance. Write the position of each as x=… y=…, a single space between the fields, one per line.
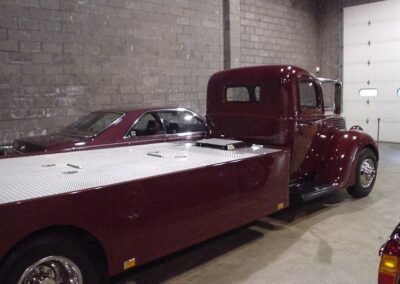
x=91 y=124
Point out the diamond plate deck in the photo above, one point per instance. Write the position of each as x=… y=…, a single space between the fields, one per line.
x=24 y=178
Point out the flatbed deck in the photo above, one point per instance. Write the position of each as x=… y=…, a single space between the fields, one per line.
x=30 y=177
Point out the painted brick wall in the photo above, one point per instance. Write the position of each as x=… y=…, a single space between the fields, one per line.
x=280 y=32
x=60 y=59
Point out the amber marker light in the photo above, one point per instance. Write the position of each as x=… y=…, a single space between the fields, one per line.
x=389 y=265
x=388 y=270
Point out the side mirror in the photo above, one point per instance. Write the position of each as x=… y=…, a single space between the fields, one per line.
x=338 y=98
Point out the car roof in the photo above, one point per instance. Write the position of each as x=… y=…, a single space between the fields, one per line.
x=133 y=114
x=143 y=110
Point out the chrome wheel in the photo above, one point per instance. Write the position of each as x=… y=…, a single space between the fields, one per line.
x=52 y=270
x=367 y=173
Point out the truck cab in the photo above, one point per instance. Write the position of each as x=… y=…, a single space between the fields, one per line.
x=284 y=106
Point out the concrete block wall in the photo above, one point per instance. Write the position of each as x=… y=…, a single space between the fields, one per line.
x=280 y=32
x=60 y=59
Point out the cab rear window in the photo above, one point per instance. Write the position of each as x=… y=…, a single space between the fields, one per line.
x=242 y=94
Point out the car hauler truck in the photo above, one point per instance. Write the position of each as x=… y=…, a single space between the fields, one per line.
x=78 y=217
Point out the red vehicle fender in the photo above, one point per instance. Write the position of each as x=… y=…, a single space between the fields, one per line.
x=340 y=159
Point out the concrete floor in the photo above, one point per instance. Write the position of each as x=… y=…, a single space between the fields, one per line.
x=331 y=240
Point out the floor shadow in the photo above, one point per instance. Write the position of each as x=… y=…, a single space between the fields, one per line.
x=182 y=261
x=185 y=260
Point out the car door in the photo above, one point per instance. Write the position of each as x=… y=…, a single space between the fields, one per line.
x=182 y=125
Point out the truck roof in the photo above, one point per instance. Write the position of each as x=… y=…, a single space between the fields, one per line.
x=24 y=178
x=271 y=71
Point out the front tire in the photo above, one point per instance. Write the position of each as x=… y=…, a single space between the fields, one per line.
x=367 y=165
x=52 y=258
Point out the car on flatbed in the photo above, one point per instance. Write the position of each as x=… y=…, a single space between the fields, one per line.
x=113 y=128
x=81 y=216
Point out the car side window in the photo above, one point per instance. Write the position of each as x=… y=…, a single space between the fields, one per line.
x=181 y=122
x=147 y=125
x=308 y=95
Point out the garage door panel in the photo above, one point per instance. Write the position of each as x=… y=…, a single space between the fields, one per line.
x=385 y=111
x=389 y=131
x=384 y=31
x=356 y=53
x=357 y=72
x=384 y=51
x=355 y=111
x=378 y=51
x=387 y=92
x=373 y=33
x=371 y=59
x=358 y=35
x=376 y=13
x=383 y=72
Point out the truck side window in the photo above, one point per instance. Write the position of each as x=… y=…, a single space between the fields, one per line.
x=308 y=95
x=243 y=94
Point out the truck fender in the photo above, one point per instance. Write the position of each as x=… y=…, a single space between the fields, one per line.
x=339 y=162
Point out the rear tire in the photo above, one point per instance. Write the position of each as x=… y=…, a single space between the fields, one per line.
x=365 y=174
x=53 y=258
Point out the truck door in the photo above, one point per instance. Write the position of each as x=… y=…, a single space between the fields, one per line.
x=309 y=117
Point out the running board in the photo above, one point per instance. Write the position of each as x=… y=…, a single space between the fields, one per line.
x=318 y=192
x=310 y=191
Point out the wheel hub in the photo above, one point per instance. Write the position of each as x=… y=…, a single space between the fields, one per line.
x=52 y=270
x=367 y=173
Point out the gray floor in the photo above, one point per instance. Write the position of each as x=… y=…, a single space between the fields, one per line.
x=332 y=240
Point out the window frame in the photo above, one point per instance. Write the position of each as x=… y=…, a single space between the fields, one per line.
x=159 y=119
x=183 y=111
x=122 y=114
x=152 y=112
x=319 y=109
x=242 y=86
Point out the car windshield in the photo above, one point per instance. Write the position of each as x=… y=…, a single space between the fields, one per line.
x=91 y=124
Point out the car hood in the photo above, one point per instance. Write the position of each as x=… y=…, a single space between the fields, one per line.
x=46 y=142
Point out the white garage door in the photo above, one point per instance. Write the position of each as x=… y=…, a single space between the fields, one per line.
x=371 y=68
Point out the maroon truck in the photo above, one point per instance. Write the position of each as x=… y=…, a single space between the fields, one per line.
x=78 y=217
x=283 y=106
